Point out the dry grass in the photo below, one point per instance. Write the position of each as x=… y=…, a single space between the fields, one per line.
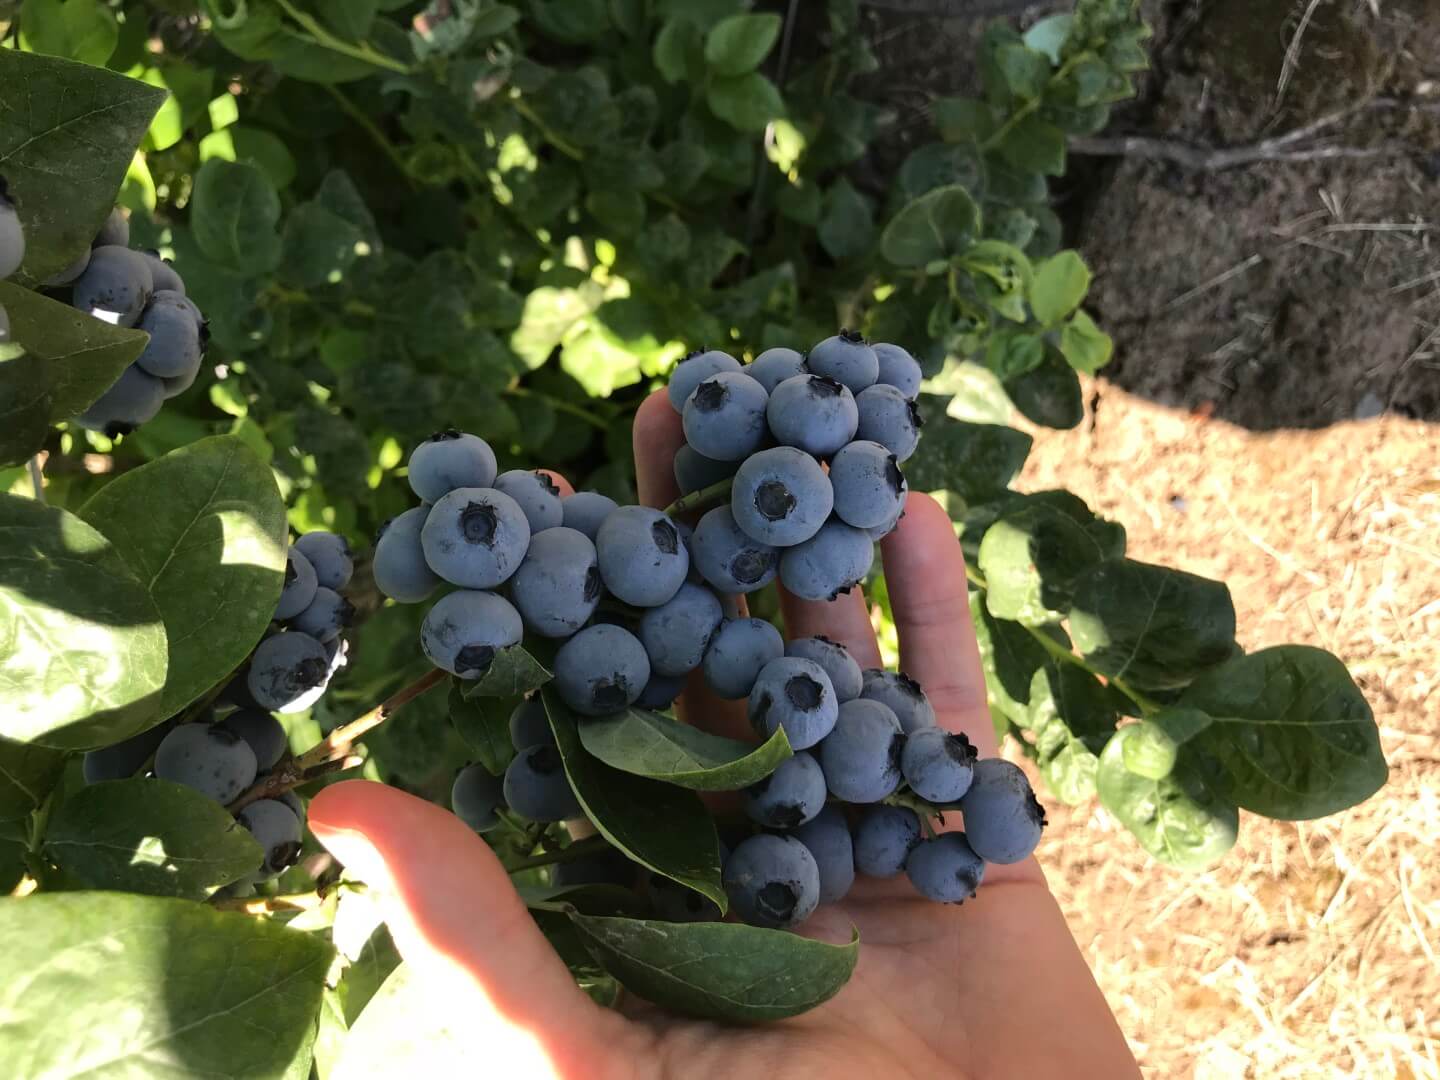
x=1311 y=950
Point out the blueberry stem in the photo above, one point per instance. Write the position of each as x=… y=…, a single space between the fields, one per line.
x=578 y=850
x=702 y=499
x=267 y=905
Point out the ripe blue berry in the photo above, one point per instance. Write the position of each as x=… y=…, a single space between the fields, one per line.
x=475 y=537
x=693 y=470
x=813 y=413
x=660 y=692
x=330 y=555
x=869 y=487
x=937 y=765
x=827 y=837
x=12 y=235
x=847 y=359
x=727 y=558
x=464 y=630
x=557 y=587
x=115 y=286
x=263 y=732
x=448 y=460
x=114 y=231
x=884 y=838
x=902 y=695
x=898 y=369
x=945 y=868
x=695 y=368
x=835 y=659
x=288 y=672
x=790 y=796
x=121 y=760
x=299 y=587
x=1003 y=819
x=537 y=788
x=887 y=417
x=163 y=274
x=774 y=366
x=67 y=276
x=772 y=881
x=326 y=617
x=278 y=832
x=795 y=694
x=475 y=796
x=133 y=399
x=781 y=496
x=600 y=670
x=677 y=633
x=213 y=760
x=537 y=495
x=724 y=418
x=642 y=559
x=737 y=653
x=586 y=511
x=861 y=756
x=529 y=726
x=174 y=346
x=400 y=569
x=831 y=562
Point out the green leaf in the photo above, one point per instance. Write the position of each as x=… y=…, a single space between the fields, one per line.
x=1049 y=34
x=350 y=19
x=150 y=836
x=1011 y=353
x=745 y=102
x=204 y=528
x=847 y=227
x=571 y=21
x=485 y=729
x=651 y=744
x=99 y=993
x=1050 y=395
x=1071 y=717
x=1060 y=283
x=1292 y=731
x=1084 y=345
x=1182 y=820
x=512 y=673
x=27 y=775
x=736 y=45
x=318 y=247
x=661 y=826
x=1025 y=70
x=719 y=971
x=1030 y=560
x=549 y=313
x=1154 y=747
x=66 y=152
x=678 y=52
x=235 y=216
x=938 y=225
x=961 y=119
x=402 y=1024
x=1035 y=146
x=1154 y=627
x=974 y=460
x=83 y=30
x=1010 y=656
x=83 y=657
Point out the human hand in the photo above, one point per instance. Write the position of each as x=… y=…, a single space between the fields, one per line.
x=996 y=987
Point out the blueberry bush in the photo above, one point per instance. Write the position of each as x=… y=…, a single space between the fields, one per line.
x=297 y=296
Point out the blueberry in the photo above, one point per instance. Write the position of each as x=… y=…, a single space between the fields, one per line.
x=277 y=829
x=114 y=232
x=694 y=471
x=464 y=630
x=211 y=759
x=884 y=529
x=902 y=695
x=660 y=692
x=869 y=487
x=174 y=346
x=727 y=558
x=774 y=366
x=475 y=537
x=884 y=838
x=586 y=511
x=448 y=460
x=674 y=902
x=890 y=419
x=288 y=672
x=937 y=765
x=847 y=359
x=945 y=868
x=827 y=837
x=724 y=418
x=330 y=555
x=163 y=274
x=795 y=694
x=296 y=805
x=772 y=881
x=781 y=496
x=737 y=653
x=557 y=587
x=1003 y=819
x=400 y=569
x=600 y=670
x=475 y=796
x=132 y=400
x=12 y=235
x=536 y=494
x=67 y=276
x=536 y=786
x=898 y=369
x=263 y=732
x=695 y=368
x=790 y=796
x=642 y=559
x=122 y=760
x=861 y=756
x=834 y=659
x=115 y=286
x=831 y=562
x=299 y=587
x=812 y=413
x=677 y=633
x=529 y=726
x=326 y=617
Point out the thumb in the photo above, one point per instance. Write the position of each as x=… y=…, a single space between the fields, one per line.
x=462 y=929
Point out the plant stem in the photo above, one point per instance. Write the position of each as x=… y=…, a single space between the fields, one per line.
x=560 y=405
x=1029 y=107
x=704 y=498
x=373 y=130
x=554 y=140
x=327 y=40
x=37 y=479
x=578 y=850
x=265 y=905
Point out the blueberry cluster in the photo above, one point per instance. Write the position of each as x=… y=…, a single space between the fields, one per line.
x=811 y=447
x=136 y=289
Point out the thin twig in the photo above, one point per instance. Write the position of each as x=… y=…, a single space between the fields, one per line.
x=37 y=479
x=578 y=850
x=1292 y=53
x=702 y=499
x=1208 y=159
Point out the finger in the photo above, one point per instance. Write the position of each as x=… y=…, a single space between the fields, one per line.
x=845 y=619
x=566 y=488
x=930 y=599
x=657 y=436
x=461 y=926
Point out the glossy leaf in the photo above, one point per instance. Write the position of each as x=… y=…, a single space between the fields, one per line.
x=1060 y=283
x=1010 y=656
x=652 y=744
x=975 y=460
x=1072 y=717
x=511 y=673
x=1030 y=559
x=27 y=775
x=1050 y=395
x=485 y=727
x=235 y=215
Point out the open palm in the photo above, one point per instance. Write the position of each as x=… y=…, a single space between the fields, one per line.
x=995 y=987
